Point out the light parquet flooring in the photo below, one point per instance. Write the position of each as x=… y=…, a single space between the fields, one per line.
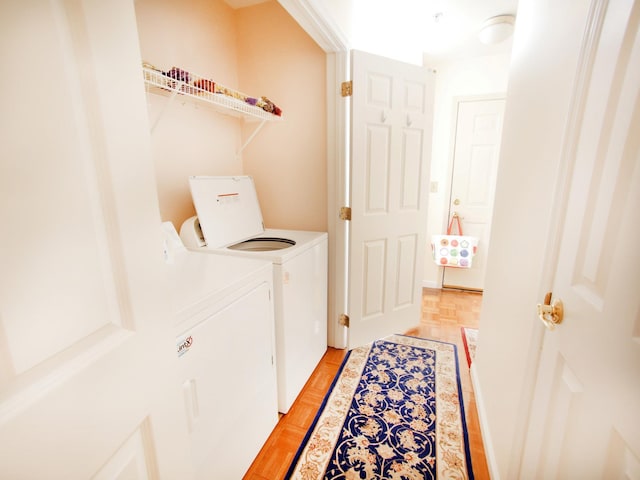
x=443 y=313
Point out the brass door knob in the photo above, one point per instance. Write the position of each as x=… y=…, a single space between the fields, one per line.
x=550 y=313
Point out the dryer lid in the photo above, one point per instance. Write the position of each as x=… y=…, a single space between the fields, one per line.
x=227 y=208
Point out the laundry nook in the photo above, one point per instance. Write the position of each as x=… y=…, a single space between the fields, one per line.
x=250 y=320
x=229 y=223
x=241 y=185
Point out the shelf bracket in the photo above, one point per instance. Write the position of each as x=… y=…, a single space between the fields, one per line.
x=164 y=108
x=248 y=141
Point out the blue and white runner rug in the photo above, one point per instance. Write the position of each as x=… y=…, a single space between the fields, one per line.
x=394 y=411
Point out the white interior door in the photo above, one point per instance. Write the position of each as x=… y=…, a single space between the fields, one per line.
x=392 y=115
x=87 y=361
x=585 y=419
x=473 y=181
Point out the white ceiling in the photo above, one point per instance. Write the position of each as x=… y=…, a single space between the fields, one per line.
x=411 y=26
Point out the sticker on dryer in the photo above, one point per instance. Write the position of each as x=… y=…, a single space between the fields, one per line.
x=227 y=198
x=184 y=344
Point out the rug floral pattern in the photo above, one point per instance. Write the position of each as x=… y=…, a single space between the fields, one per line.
x=394 y=412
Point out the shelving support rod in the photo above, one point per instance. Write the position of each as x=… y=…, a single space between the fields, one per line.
x=164 y=107
x=255 y=132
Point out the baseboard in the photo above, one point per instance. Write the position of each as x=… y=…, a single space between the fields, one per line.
x=489 y=451
x=430 y=284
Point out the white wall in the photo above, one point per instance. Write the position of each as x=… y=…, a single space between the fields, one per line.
x=536 y=113
x=486 y=75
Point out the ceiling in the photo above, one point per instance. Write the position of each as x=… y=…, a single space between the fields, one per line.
x=436 y=29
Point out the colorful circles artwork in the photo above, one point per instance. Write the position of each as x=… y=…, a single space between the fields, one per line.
x=454 y=250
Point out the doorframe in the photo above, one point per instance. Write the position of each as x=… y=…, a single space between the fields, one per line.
x=316 y=21
x=455 y=102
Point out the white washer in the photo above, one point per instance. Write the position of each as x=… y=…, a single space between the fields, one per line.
x=229 y=222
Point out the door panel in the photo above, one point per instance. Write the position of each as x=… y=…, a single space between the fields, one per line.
x=407 y=270
x=373 y=277
x=66 y=272
x=411 y=166
x=475 y=163
x=392 y=107
x=130 y=461
x=81 y=321
x=595 y=351
x=377 y=169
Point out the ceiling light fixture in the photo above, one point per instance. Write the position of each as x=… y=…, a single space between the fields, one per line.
x=496 y=29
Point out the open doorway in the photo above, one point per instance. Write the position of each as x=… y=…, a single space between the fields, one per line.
x=460 y=76
x=476 y=152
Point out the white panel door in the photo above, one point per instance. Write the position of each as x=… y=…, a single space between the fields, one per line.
x=585 y=420
x=87 y=367
x=392 y=114
x=473 y=182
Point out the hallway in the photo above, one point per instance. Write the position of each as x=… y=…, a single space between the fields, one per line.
x=444 y=312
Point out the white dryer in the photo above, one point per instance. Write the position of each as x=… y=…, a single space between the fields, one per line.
x=229 y=222
x=225 y=336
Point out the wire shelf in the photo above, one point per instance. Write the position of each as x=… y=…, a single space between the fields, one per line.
x=205 y=91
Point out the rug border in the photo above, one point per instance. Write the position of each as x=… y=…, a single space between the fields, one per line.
x=312 y=427
x=463 y=419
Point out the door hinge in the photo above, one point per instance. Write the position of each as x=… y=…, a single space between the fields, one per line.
x=344 y=320
x=346 y=88
x=345 y=213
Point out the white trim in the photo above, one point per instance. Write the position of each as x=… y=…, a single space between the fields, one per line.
x=489 y=450
x=337 y=161
x=313 y=17
x=41 y=380
x=430 y=284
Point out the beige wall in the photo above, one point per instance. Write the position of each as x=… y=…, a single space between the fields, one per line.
x=288 y=159
x=270 y=56
x=200 y=37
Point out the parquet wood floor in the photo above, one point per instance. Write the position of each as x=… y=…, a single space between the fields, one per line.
x=443 y=313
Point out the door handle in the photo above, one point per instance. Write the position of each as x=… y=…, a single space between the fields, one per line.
x=191 y=403
x=550 y=313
